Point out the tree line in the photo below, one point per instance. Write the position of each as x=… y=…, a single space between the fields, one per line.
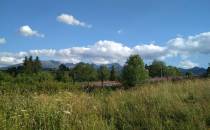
x=133 y=72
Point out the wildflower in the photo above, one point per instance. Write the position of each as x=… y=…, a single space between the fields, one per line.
x=67 y=112
x=94 y=107
x=23 y=110
x=58 y=100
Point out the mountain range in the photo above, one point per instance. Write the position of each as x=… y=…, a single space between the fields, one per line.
x=195 y=70
x=52 y=64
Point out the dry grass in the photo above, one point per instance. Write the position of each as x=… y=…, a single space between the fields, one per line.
x=181 y=105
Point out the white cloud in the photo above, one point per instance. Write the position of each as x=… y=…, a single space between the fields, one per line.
x=9 y=60
x=71 y=20
x=151 y=51
x=2 y=40
x=27 y=31
x=43 y=52
x=187 y=64
x=102 y=52
x=190 y=45
x=105 y=51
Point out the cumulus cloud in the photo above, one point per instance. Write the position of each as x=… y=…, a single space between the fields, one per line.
x=9 y=60
x=101 y=52
x=43 y=52
x=187 y=64
x=190 y=45
x=71 y=20
x=27 y=31
x=151 y=51
x=104 y=51
x=2 y=40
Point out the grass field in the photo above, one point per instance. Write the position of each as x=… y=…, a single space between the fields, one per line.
x=181 y=105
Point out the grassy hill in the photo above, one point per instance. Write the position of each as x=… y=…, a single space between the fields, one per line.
x=168 y=105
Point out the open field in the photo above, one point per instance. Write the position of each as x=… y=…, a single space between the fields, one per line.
x=168 y=105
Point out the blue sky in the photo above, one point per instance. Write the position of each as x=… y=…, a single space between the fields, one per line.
x=176 y=31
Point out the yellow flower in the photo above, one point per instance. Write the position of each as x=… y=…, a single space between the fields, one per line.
x=67 y=112
x=23 y=110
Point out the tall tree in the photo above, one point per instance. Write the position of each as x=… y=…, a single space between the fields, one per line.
x=133 y=71
x=62 y=74
x=84 y=72
x=103 y=74
x=208 y=71
x=157 y=69
x=63 y=67
x=28 y=65
x=37 y=65
x=31 y=66
x=172 y=71
x=189 y=74
x=25 y=61
x=113 y=75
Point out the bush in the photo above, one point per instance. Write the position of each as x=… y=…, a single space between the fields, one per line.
x=134 y=72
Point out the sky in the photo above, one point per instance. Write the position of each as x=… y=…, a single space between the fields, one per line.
x=106 y=31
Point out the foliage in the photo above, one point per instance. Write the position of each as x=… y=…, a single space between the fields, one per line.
x=84 y=72
x=62 y=74
x=172 y=71
x=113 y=74
x=5 y=77
x=208 y=72
x=188 y=74
x=134 y=72
x=159 y=69
x=31 y=66
x=103 y=74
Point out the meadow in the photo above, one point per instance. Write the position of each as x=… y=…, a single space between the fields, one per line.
x=168 y=105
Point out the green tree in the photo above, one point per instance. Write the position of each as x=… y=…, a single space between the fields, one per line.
x=157 y=69
x=133 y=71
x=189 y=74
x=26 y=63
x=113 y=74
x=84 y=72
x=5 y=77
x=103 y=74
x=62 y=74
x=208 y=71
x=37 y=65
x=31 y=66
x=172 y=71
x=15 y=70
x=63 y=67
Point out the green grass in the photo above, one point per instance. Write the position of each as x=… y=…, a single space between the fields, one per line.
x=182 y=105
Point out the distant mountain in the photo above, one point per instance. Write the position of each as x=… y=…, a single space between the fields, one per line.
x=51 y=64
x=117 y=66
x=195 y=70
x=6 y=67
x=70 y=65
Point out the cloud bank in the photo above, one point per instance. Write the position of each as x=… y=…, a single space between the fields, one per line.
x=105 y=51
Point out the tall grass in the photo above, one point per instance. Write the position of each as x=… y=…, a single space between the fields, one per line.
x=168 y=105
